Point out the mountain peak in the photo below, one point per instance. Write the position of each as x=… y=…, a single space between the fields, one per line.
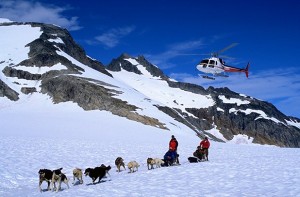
x=122 y=63
x=135 y=65
x=125 y=55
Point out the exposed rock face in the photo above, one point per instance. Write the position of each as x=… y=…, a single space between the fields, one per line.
x=11 y=72
x=264 y=123
x=262 y=130
x=188 y=87
x=153 y=70
x=43 y=50
x=91 y=96
x=6 y=91
x=28 y=90
x=120 y=62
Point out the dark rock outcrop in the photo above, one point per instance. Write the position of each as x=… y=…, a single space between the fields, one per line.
x=91 y=95
x=153 y=70
x=120 y=62
x=254 y=118
x=68 y=46
x=28 y=90
x=6 y=91
x=21 y=74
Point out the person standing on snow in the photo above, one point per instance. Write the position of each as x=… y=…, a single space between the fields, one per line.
x=204 y=145
x=173 y=144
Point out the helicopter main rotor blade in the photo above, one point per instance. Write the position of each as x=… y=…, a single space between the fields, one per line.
x=226 y=57
x=193 y=54
x=213 y=54
x=226 y=48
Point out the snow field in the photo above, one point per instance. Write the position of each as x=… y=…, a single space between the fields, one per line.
x=233 y=170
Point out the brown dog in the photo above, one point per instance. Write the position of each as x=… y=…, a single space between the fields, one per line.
x=120 y=162
x=77 y=173
x=150 y=162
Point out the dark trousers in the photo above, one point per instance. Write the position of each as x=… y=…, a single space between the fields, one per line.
x=206 y=152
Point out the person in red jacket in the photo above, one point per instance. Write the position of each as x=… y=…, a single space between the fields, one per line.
x=204 y=144
x=173 y=144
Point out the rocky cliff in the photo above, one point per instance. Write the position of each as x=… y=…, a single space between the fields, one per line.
x=232 y=114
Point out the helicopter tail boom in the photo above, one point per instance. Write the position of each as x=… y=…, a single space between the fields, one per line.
x=233 y=69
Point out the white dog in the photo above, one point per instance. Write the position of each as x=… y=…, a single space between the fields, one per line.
x=133 y=164
x=158 y=162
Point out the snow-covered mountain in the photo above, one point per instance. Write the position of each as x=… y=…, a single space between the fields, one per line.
x=60 y=108
x=44 y=70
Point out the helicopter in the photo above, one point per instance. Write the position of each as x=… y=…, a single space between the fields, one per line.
x=217 y=67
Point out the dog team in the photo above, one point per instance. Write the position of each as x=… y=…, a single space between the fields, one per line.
x=171 y=158
x=53 y=177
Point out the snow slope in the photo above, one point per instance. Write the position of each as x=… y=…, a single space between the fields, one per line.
x=158 y=89
x=233 y=170
x=37 y=134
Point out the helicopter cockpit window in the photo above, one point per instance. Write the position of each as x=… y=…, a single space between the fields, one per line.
x=204 y=62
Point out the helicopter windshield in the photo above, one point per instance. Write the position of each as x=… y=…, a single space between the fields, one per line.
x=204 y=62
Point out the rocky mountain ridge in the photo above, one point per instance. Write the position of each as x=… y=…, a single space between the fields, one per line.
x=231 y=118
x=65 y=79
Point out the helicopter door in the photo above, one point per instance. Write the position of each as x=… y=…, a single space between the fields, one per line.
x=211 y=63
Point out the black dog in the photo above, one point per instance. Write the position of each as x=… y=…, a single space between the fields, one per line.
x=59 y=177
x=45 y=175
x=98 y=172
x=52 y=176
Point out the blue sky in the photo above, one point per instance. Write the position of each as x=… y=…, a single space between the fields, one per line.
x=267 y=33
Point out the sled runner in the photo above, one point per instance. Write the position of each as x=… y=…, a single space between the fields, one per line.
x=196 y=160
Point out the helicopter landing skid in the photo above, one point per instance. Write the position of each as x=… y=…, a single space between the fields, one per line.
x=221 y=75
x=207 y=77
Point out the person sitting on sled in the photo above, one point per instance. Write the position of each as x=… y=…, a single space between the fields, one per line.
x=199 y=153
x=170 y=157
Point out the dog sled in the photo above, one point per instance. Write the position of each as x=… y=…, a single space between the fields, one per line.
x=196 y=159
x=199 y=155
